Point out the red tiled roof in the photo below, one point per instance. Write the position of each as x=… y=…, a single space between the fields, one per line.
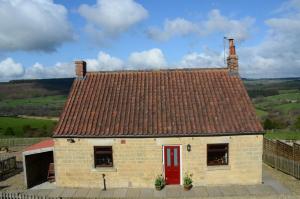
x=158 y=103
x=41 y=145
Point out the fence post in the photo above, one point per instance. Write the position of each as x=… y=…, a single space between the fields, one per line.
x=294 y=160
x=276 y=155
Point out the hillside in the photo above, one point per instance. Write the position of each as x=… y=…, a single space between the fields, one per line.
x=44 y=97
x=277 y=101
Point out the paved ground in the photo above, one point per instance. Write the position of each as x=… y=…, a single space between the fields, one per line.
x=276 y=185
x=234 y=191
x=286 y=180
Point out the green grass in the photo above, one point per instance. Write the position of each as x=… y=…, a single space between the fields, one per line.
x=288 y=91
x=260 y=113
x=285 y=96
x=283 y=135
x=282 y=102
x=56 y=100
x=285 y=108
x=39 y=127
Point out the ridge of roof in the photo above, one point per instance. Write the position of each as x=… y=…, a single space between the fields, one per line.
x=160 y=70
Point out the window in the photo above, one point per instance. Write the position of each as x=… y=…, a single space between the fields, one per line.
x=103 y=156
x=217 y=154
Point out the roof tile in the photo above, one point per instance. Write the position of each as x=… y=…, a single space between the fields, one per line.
x=158 y=103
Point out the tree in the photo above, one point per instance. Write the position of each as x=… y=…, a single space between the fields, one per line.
x=268 y=124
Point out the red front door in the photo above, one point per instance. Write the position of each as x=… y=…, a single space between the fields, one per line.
x=172 y=164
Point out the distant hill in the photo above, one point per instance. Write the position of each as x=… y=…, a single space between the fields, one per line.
x=46 y=97
x=20 y=89
x=43 y=97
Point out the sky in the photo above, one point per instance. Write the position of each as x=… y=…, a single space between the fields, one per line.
x=42 y=38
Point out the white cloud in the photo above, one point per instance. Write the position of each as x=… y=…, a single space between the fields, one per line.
x=104 y=62
x=9 y=68
x=153 y=58
x=238 y=29
x=176 y=27
x=59 y=70
x=206 y=59
x=33 y=25
x=108 y=18
x=279 y=54
x=150 y=59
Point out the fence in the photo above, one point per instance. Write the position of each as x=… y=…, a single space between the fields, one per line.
x=282 y=156
x=7 y=165
x=18 y=195
x=13 y=142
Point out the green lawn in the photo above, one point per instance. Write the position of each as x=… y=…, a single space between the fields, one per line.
x=283 y=135
x=20 y=127
x=56 y=100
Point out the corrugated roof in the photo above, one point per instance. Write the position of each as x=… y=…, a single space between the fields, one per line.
x=158 y=103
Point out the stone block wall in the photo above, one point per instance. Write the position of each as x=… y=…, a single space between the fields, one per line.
x=137 y=161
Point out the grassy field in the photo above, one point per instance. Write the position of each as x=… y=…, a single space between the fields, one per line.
x=56 y=100
x=21 y=127
x=283 y=135
x=260 y=113
x=35 y=106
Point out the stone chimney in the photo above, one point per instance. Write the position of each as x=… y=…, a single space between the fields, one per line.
x=80 y=69
x=232 y=59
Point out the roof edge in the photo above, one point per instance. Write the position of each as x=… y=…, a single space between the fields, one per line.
x=160 y=136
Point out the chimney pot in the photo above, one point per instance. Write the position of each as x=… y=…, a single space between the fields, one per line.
x=232 y=59
x=80 y=68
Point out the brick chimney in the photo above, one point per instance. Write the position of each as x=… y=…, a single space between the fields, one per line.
x=80 y=69
x=232 y=59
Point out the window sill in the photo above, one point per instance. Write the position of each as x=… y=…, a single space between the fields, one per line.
x=104 y=169
x=218 y=167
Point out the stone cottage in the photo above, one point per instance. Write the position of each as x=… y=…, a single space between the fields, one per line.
x=134 y=125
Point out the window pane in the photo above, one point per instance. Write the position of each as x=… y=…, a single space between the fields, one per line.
x=175 y=158
x=168 y=157
x=217 y=154
x=103 y=156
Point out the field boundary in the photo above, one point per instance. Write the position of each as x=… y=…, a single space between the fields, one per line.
x=282 y=156
x=17 y=142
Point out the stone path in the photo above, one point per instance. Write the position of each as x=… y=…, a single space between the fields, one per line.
x=271 y=188
x=231 y=191
x=276 y=185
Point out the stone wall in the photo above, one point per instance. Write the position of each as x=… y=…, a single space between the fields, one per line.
x=139 y=160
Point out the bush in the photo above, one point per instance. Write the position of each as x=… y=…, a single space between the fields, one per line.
x=9 y=131
x=270 y=124
x=159 y=181
x=297 y=123
x=187 y=179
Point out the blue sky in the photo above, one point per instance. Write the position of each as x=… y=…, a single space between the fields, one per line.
x=42 y=38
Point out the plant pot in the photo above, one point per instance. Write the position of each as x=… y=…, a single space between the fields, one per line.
x=188 y=187
x=158 y=188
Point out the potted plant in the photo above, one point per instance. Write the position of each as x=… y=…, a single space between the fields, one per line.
x=159 y=182
x=187 y=181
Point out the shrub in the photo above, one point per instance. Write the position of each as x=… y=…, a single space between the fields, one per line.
x=297 y=123
x=9 y=131
x=187 y=179
x=268 y=124
x=159 y=181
